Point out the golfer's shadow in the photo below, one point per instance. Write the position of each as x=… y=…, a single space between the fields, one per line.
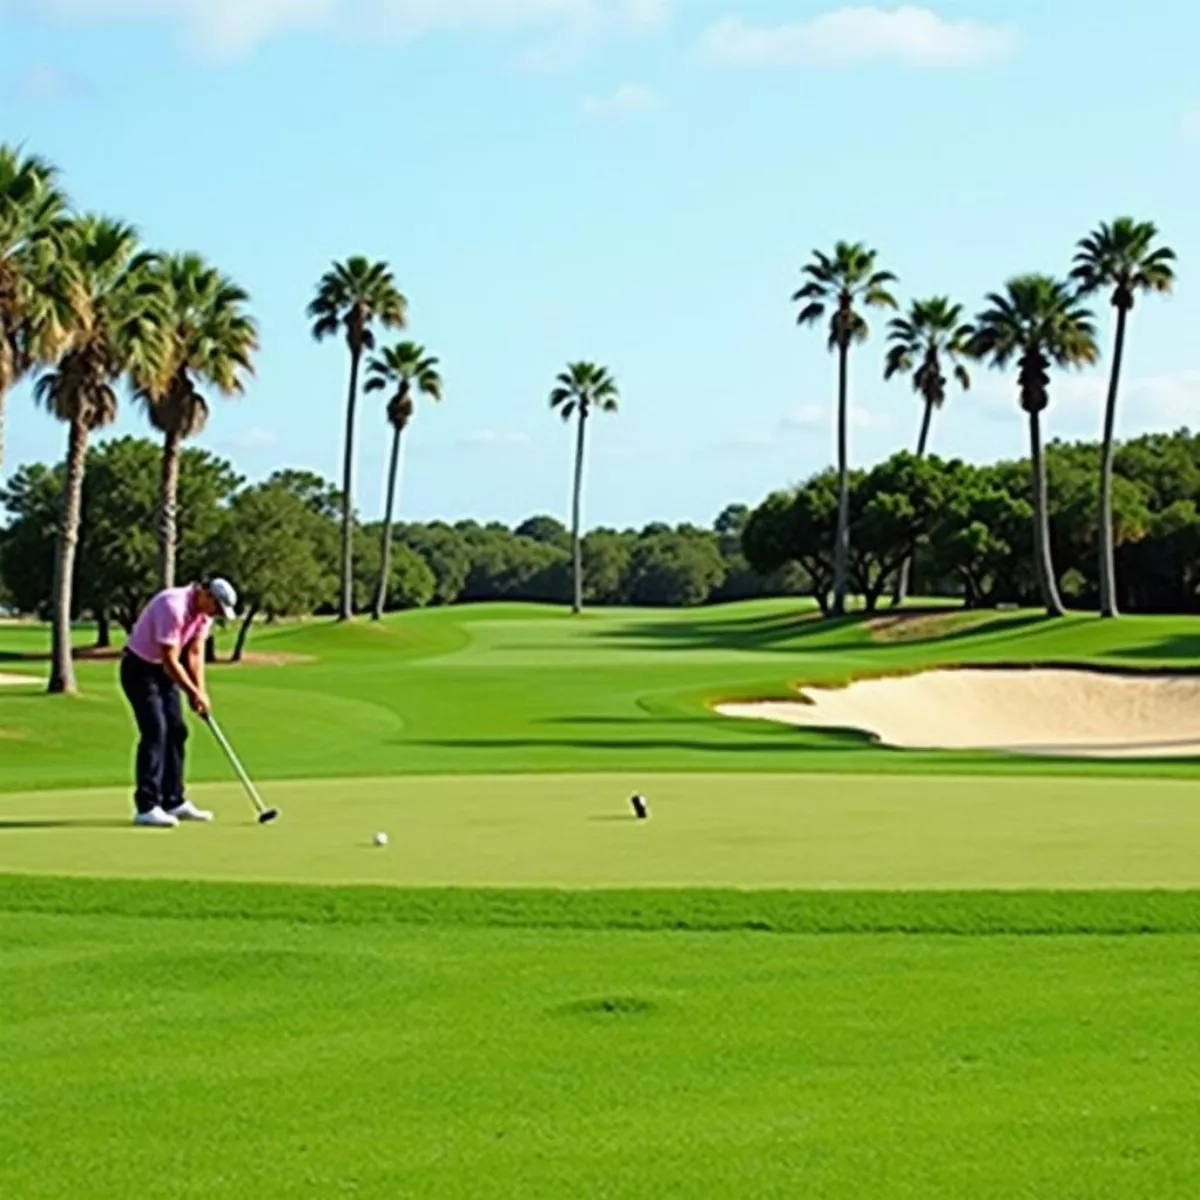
x=82 y=823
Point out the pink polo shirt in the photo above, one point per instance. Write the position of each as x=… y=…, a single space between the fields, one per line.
x=170 y=619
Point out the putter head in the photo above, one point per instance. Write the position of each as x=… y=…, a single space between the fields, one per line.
x=269 y=817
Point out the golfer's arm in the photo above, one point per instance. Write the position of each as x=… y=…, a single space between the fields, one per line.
x=195 y=663
x=177 y=672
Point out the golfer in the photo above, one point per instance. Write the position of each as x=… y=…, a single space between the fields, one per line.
x=165 y=656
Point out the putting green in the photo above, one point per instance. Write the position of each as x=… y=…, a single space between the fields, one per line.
x=740 y=831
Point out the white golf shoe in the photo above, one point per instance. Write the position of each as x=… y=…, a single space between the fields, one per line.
x=187 y=811
x=155 y=819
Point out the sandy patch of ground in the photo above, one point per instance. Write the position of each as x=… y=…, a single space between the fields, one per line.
x=250 y=659
x=918 y=626
x=16 y=680
x=1053 y=712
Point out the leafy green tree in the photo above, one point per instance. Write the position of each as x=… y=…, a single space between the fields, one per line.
x=981 y=541
x=207 y=340
x=548 y=530
x=675 y=570
x=581 y=389
x=1037 y=322
x=352 y=298
x=1121 y=257
x=413 y=583
x=607 y=555
x=36 y=294
x=111 y=334
x=838 y=286
x=119 y=549
x=926 y=343
x=506 y=567
x=894 y=510
x=265 y=544
x=404 y=370
x=444 y=550
x=33 y=498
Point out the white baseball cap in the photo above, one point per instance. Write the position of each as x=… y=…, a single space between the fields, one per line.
x=222 y=591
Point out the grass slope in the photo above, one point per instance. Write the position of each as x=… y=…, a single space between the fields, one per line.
x=229 y=1058
x=520 y=689
x=578 y=831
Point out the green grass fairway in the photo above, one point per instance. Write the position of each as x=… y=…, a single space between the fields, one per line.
x=232 y=1058
x=822 y=969
x=521 y=689
x=741 y=831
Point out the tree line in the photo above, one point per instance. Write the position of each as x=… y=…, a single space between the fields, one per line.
x=968 y=530
x=281 y=540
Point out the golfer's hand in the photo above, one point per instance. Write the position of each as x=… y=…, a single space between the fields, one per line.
x=201 y=705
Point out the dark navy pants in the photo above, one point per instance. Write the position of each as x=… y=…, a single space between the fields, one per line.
x=154 y=698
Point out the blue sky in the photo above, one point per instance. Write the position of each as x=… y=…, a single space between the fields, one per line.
x=632 y=181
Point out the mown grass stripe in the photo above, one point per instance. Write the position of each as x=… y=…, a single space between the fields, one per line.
x=1109 y=913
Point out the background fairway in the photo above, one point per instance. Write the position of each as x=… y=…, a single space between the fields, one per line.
x=740 y=831
x=520 y=689
x=383 y=1061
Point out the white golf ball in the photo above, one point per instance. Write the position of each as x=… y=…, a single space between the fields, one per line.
x=381 y=839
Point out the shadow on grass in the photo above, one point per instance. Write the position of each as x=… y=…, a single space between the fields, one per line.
x=83 y=823
x=1179 y=646
x=785 y=743
x=808 y=632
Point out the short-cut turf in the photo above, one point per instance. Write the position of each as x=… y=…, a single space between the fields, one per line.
x=746 y=831
x=521 y=689
x=225 y=1058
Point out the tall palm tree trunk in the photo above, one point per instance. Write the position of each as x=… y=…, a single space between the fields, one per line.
x=62 y=669
x=1041 y=521
x=904 y=576
x=346 y=612
x=1108 y=567
x=168 y=510
x=576 y=514
x=841 y=550
x=385 y=551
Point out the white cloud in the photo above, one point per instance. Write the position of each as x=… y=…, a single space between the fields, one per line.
x=223 y=28
x=854 y=35
x=1152 y=402
x=629 y=100
x=45 y=82
x=228 y=28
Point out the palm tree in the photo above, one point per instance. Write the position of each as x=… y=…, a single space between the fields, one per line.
x=35 y=306
x=406 y=368
x=580 y=389
x=837 y=285
x=1040 y=323
x=931 y=337
x=112 y=334
x=352 y=296
x=1121 y=256
x=205 y=338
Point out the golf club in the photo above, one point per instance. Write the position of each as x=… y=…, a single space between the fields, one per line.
x=265 y=815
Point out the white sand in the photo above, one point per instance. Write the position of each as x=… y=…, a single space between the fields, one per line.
x=1059 y=712
x=16 y=680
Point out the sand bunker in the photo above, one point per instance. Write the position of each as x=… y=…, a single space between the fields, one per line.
x=1053 y=712
x=15 y=680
